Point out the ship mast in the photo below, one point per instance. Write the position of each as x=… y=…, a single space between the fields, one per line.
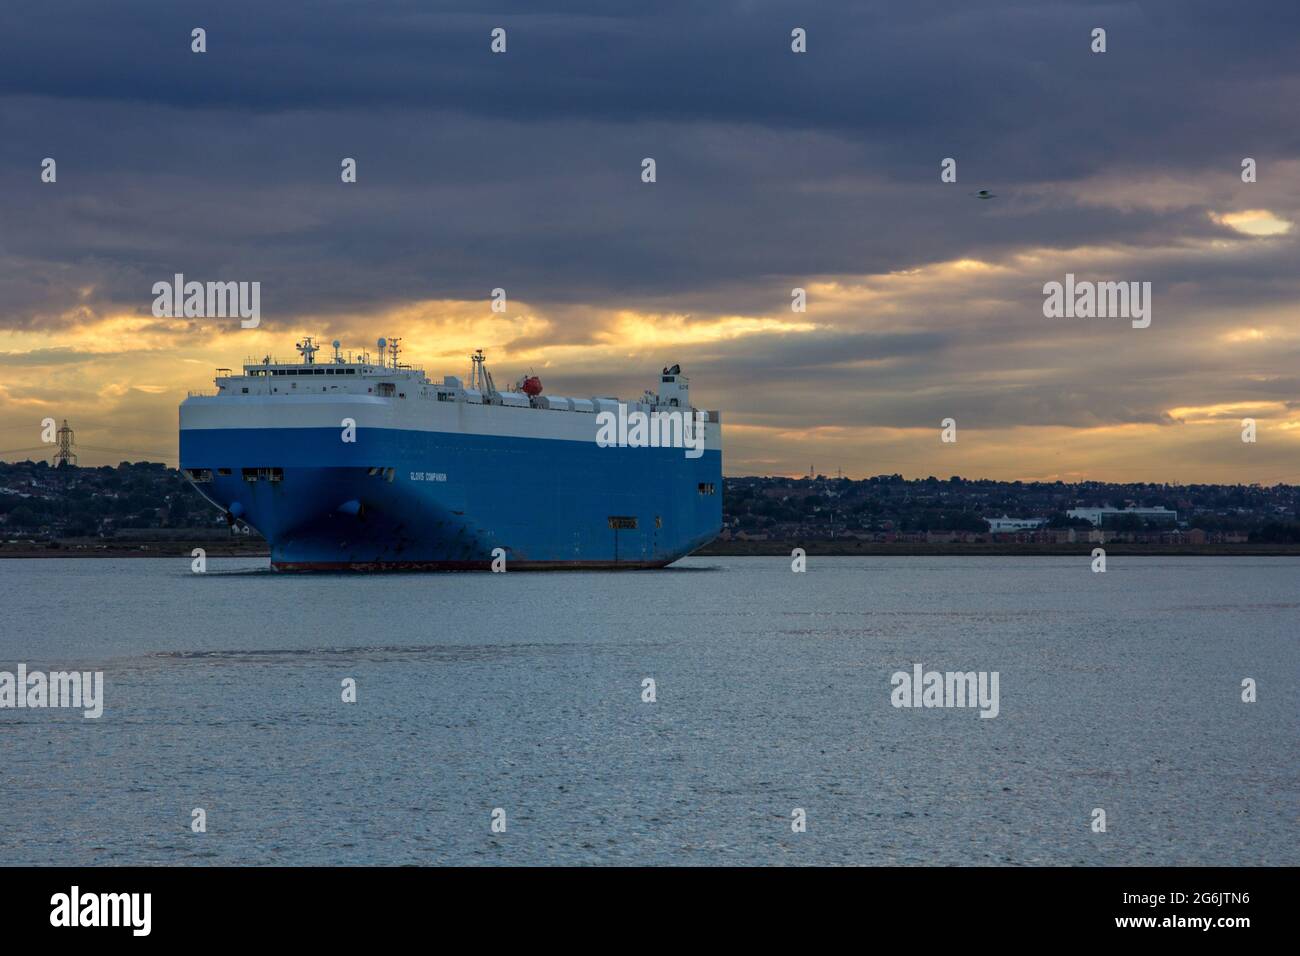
x=479 y=377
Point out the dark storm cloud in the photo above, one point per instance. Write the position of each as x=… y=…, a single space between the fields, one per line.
x=930 y=69
x=479 y=170
x=774 y=170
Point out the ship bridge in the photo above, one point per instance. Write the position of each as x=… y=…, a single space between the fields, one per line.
x=386 y=376
x=339 y=388
x=343 y=373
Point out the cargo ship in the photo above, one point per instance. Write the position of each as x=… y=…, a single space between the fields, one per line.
x=364 y=463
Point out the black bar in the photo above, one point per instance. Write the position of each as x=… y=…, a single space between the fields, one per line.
x=909 y=906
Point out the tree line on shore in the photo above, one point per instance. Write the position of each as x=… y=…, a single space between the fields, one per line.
x=38 y=500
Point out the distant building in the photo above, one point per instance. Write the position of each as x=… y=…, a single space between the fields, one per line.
x=1005 y=524
x=1100 y=517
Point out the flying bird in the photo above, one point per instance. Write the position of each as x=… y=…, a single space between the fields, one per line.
x=983 y=194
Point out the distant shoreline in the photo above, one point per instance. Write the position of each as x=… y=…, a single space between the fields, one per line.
x=851 y=546
x=137 y=547
x=223 y=548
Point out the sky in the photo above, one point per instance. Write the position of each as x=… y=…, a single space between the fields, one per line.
x=774 y=170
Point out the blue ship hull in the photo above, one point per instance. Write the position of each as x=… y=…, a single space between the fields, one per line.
x=400 y=499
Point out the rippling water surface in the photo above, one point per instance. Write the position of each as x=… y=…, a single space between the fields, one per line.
x=523 y=691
